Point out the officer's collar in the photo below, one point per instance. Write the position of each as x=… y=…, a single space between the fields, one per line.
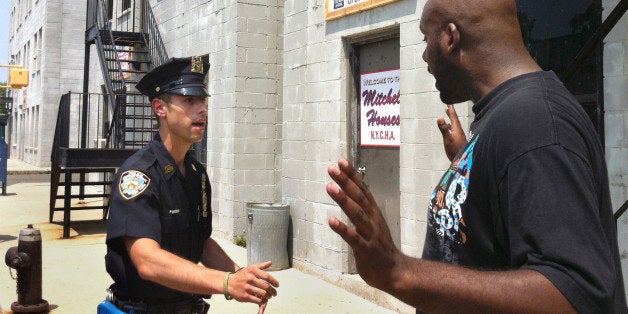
x=164 y=159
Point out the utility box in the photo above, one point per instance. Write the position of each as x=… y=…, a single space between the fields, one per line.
x=267 y=234
x=18 y=77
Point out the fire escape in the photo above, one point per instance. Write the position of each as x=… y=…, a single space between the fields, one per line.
x=96 y=132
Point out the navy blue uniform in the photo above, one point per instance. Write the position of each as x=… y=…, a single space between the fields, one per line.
x=152 y=199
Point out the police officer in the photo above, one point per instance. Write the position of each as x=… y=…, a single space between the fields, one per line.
x=159 y=251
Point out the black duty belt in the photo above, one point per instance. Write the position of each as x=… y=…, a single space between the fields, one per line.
x=198 y=306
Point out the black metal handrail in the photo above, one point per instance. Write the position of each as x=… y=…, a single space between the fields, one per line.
x=70 y=126
x=589 y=48
x=152 y=37
x=621 y=211
x=595 y=40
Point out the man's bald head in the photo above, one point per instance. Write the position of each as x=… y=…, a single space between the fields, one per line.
x=477 y=42
x=479 y=22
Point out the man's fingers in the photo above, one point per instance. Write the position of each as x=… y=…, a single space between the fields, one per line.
x=263 y=294
x=349 y=193
x=262 y=307
x=263 y=265
x=351 y=208
x=443 y=126
x=265 y=276
x=453 y=116
x=362 y=195
x=345 y=232
x=256 y=283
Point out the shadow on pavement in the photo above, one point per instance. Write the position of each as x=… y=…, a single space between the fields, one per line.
x=86 y=227
x=6 y=237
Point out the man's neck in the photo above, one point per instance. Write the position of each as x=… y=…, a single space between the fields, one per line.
x=176 y=149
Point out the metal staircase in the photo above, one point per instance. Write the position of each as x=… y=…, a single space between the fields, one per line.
x=126 y=53
x=95 y=133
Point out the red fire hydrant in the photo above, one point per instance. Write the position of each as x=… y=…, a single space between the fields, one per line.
x=26 y=259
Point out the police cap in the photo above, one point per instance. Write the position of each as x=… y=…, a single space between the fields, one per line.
x=180 y=76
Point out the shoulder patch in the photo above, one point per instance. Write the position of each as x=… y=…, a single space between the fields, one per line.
x=133 y=183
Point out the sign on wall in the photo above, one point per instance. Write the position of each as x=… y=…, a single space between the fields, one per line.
x=335 y=9
x=380 y=105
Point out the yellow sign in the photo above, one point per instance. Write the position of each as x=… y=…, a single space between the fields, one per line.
x=18 y=78
x=335 y=9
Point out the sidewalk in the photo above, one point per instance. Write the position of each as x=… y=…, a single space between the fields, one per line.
x=74 y=275
x=15 y=166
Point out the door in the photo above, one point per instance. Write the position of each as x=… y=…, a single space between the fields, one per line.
x=376 y=65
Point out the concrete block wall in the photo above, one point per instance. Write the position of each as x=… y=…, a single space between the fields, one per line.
x=315 y=91
x=258 y=105
x=616 y=121
x=317 y=100
x=244 y=41
x=63 y=30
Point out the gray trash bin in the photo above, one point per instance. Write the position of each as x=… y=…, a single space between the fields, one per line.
x=267 y=234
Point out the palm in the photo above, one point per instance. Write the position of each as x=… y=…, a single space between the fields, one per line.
x=453 y=135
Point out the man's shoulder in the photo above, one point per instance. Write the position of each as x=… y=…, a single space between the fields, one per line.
x=142 y=160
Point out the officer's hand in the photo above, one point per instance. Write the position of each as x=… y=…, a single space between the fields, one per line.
x=262 y=307
x=253 y=284
x=453 y=135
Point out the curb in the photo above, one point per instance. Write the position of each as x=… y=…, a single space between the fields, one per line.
x=25 y=172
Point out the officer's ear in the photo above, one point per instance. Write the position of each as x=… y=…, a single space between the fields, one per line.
x=159 y=107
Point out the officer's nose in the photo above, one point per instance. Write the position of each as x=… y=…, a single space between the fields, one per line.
x=203 y=108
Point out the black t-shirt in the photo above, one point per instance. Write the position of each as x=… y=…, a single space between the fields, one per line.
x=530 y=190
x=152 y=199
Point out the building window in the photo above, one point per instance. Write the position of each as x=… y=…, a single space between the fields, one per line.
x=36 y=127
x=37 y=54
x=126 y=4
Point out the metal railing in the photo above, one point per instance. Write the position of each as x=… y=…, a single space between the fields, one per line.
x=152 y=38
x=109 y=23
x=622 y=209
x=70 y=125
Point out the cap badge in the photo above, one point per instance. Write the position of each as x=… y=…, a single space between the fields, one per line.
x=197 y=65
x=133 y=183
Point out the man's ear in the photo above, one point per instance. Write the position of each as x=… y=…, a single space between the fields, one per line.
x=452 y=36
x=159 y=107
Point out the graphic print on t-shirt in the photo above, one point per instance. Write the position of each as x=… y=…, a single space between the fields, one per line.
x=445 y=214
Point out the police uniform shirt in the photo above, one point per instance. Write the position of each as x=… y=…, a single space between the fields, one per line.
x=152 y=199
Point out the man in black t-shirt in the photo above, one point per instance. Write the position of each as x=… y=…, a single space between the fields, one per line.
x=522 y=220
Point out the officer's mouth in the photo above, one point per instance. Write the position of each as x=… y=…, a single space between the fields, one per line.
x=199 y=124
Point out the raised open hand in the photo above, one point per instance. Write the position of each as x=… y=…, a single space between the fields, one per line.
x=375 y=252
x=453 y=135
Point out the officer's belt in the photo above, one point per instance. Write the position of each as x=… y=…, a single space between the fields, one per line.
x=198 y=306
